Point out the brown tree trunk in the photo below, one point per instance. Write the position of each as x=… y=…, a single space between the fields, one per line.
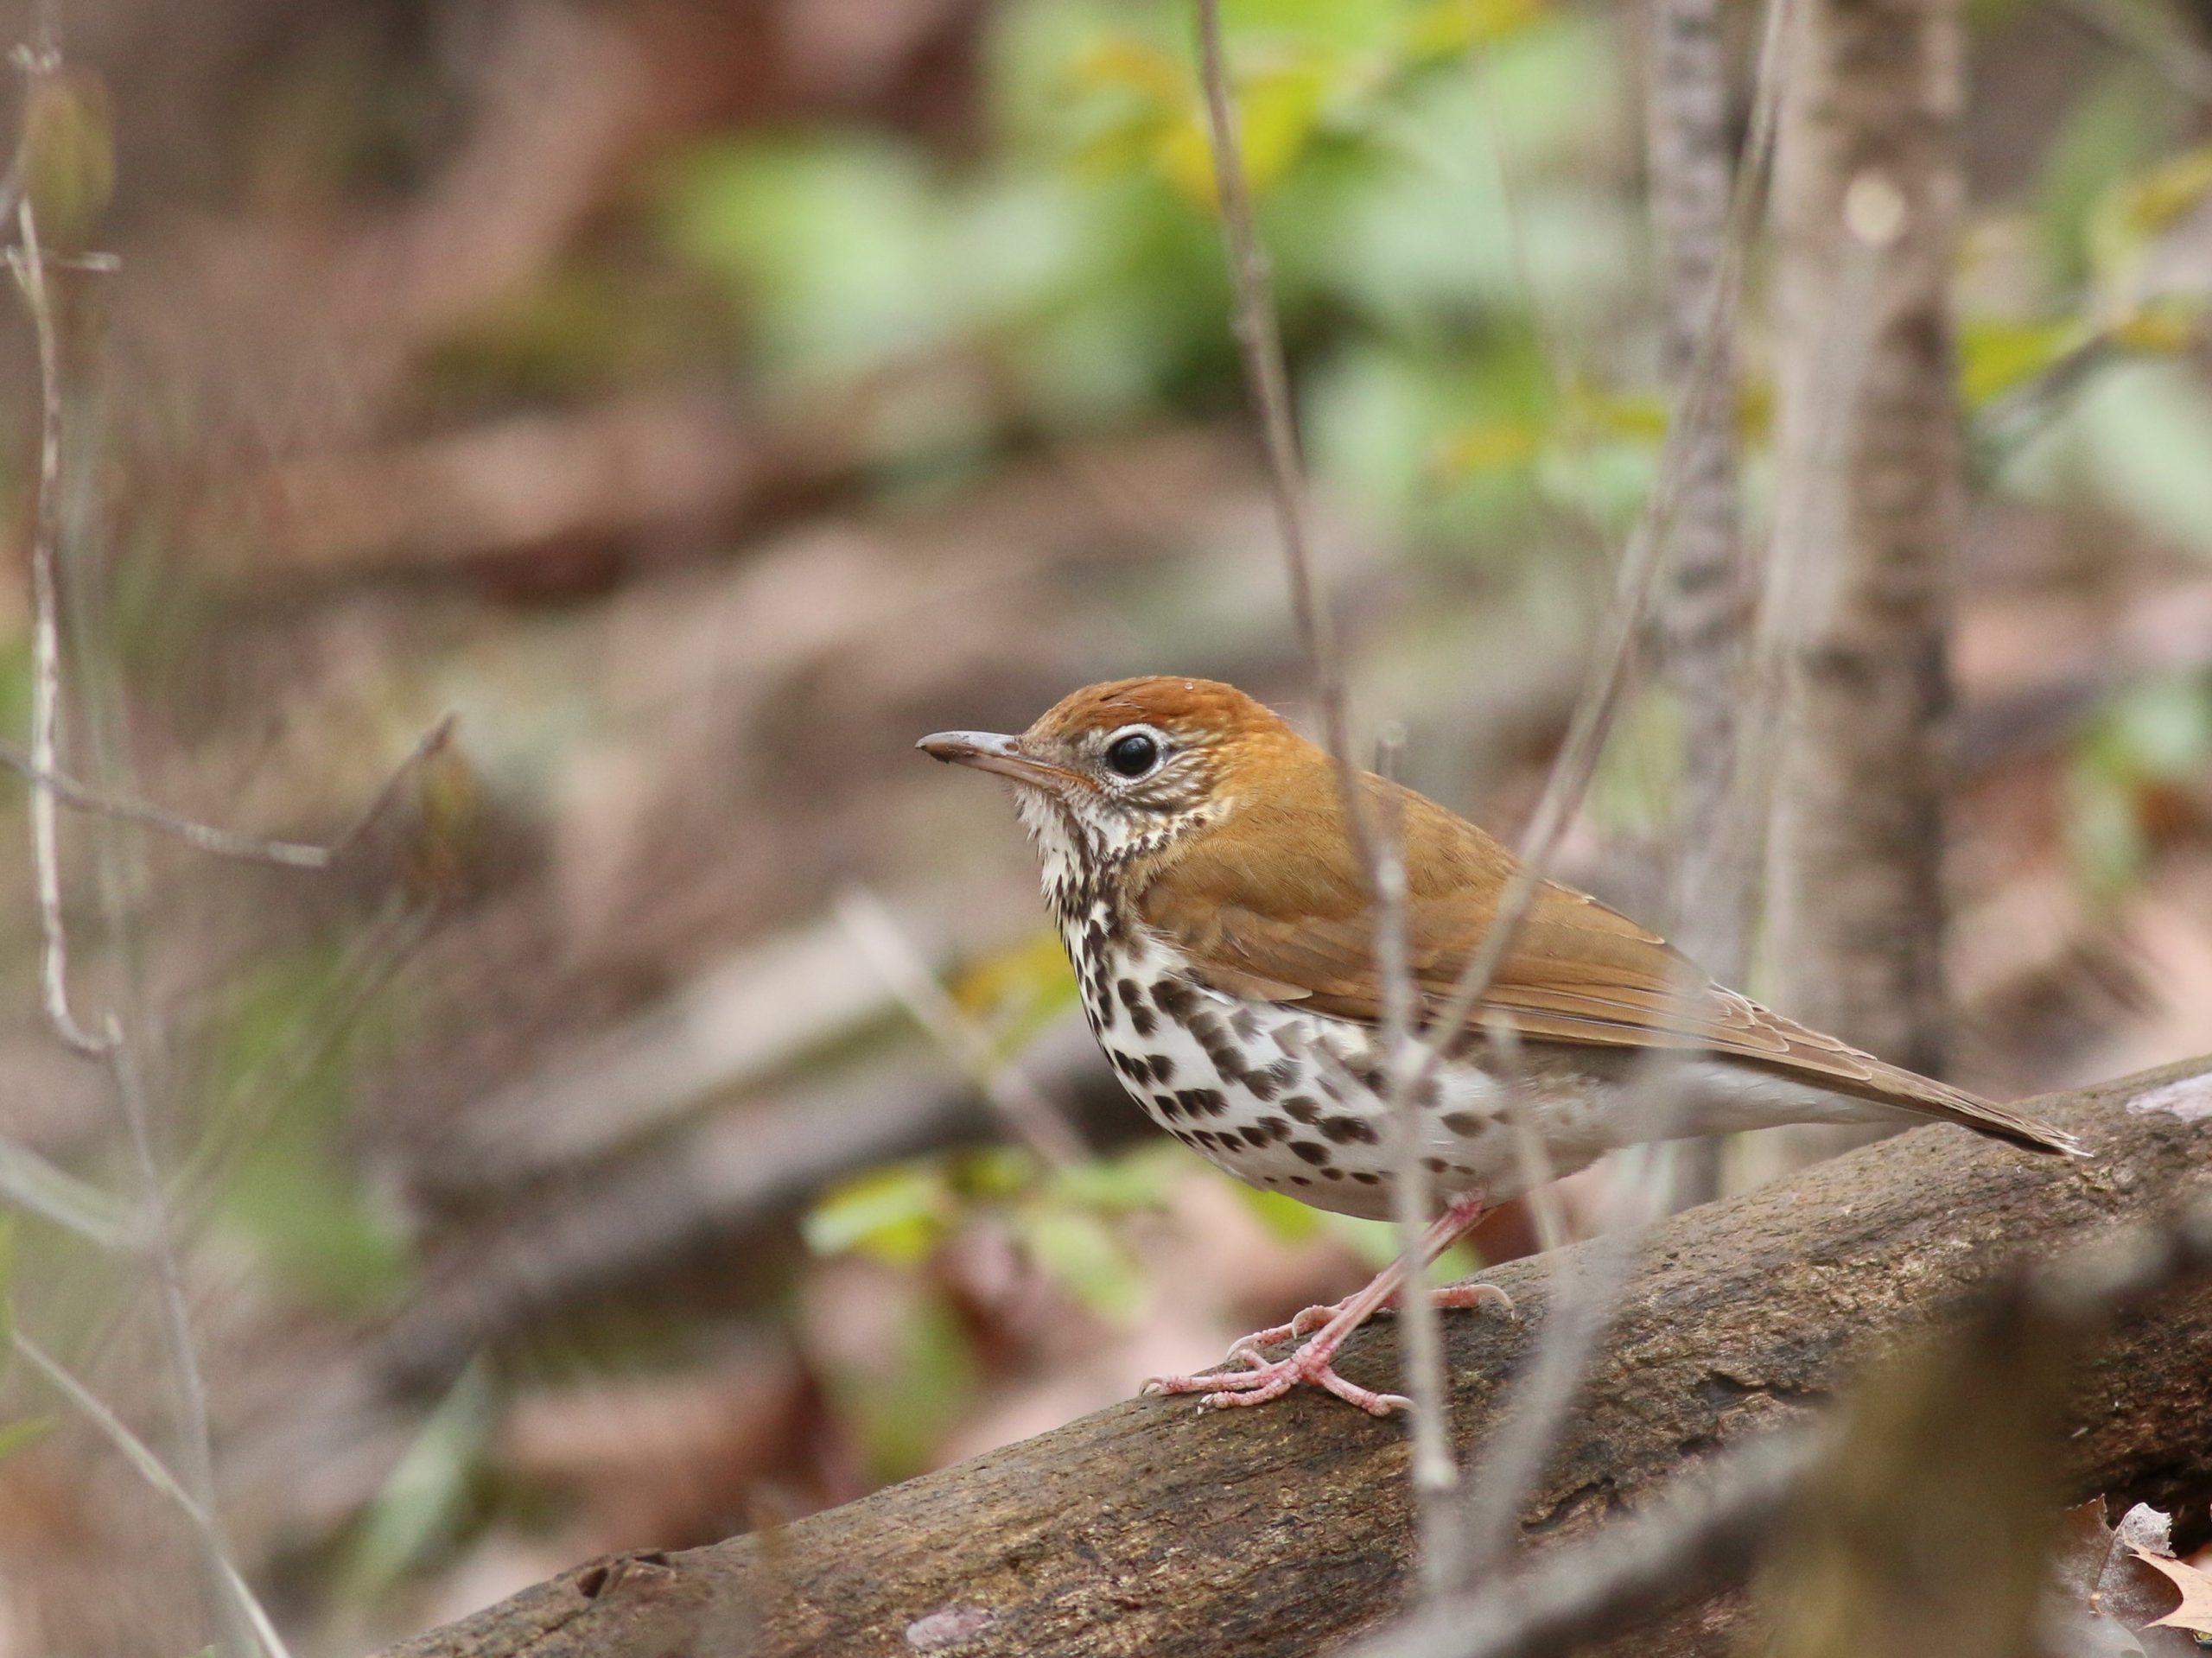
x=1706 y=609
x=1152 y=1528
x=1867 y=516
x=1706 y=606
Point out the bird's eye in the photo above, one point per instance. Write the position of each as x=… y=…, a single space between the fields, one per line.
x=1134 y=755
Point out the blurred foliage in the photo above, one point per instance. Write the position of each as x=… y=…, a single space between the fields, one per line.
x=1452 y=195
x=2149 y=742
x=427 y=1495
x=68 y=156
x=293 y=1193
x=27 y=1430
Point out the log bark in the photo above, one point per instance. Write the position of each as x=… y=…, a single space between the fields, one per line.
x=1152 y=1528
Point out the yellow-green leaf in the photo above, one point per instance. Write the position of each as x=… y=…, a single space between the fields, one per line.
x=1444 y=28
x=1492 y=446
x=895 y=1214
x=1997 y=355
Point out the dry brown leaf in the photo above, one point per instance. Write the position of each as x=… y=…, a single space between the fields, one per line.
x=2194 y=1612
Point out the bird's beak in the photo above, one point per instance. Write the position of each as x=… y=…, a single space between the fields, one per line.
x=986 y=751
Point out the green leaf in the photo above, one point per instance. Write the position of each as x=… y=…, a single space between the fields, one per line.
x=1441 y=29
x=1997 y=355
x=834 y=244
x=1283 y=1215
x=1076 y=1250
x=423 y=1500
x=1136 y=1181
x=900 y=1409
x=897 y=1215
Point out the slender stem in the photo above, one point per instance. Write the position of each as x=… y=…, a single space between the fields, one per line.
x=222 y=842
x=29 y=263
x=1259 y=338
x=156 y=1473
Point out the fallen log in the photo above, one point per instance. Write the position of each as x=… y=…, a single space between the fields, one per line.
x=1152 y=1528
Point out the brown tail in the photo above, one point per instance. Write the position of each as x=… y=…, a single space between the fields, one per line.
x=1892 y=1085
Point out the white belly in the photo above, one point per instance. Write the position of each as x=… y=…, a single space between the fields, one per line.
x=1285 y=1100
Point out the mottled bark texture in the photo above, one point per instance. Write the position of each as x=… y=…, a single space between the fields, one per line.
x=1868 y=512
x=1707 y=607
x=1152 y=1527
x=1704 y=608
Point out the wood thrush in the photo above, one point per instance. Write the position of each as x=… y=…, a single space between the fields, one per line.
x=1196 y=858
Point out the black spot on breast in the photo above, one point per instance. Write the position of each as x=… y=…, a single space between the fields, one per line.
x=1170 y=1105
x=1266 y=1084
x=1254 y=1136
x=1303 y=1109
x=1272 y=1127
x=1203 y=1137
x=1433 y=1165
x=1174 y=998
x=1132 y=999
x=1466 y=1124
x=1345 y=1130
x=1332 y=1174
x=1215 y=1040
x=1300 y=1180
x=1309 y=1151
x=1366 y=1179
x=1163 y=1069
x=1202 y=1102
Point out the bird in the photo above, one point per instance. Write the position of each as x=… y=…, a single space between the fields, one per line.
x=1205 y=877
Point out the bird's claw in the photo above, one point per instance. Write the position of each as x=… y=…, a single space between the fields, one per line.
x=1263 y=1378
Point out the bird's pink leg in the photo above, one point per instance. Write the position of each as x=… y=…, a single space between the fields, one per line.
x=1330 y=1327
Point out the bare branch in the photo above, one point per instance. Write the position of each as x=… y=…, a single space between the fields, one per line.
x=29 y=263
x=1578 y=757
x=2152 y=38
x=230 y=843
x=156 y=1473
x=1259 y=338
x=37 y=1187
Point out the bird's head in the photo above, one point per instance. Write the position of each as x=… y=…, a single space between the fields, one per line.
x=1128 y=766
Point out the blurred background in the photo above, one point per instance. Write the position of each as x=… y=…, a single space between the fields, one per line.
x=700 y=400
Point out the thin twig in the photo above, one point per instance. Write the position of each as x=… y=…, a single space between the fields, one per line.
x=1435 y=1469
x=1710 y=1526
x=2184 y=65
x=151 y=1469
x=1039 y=1124
x=1582 y=1307
x=37 y=1187
x=1719 y=1520
x=196 y=1490
x=230 y=843
x=1259 y=337
x=46 y=637
x=1593 y=719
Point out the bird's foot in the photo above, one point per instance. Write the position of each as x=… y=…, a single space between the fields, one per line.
x=1264 y=1379
x=1268 y=1379
x=1447 y=1298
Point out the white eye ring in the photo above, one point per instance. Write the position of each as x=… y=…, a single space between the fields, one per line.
x=1134 y=752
